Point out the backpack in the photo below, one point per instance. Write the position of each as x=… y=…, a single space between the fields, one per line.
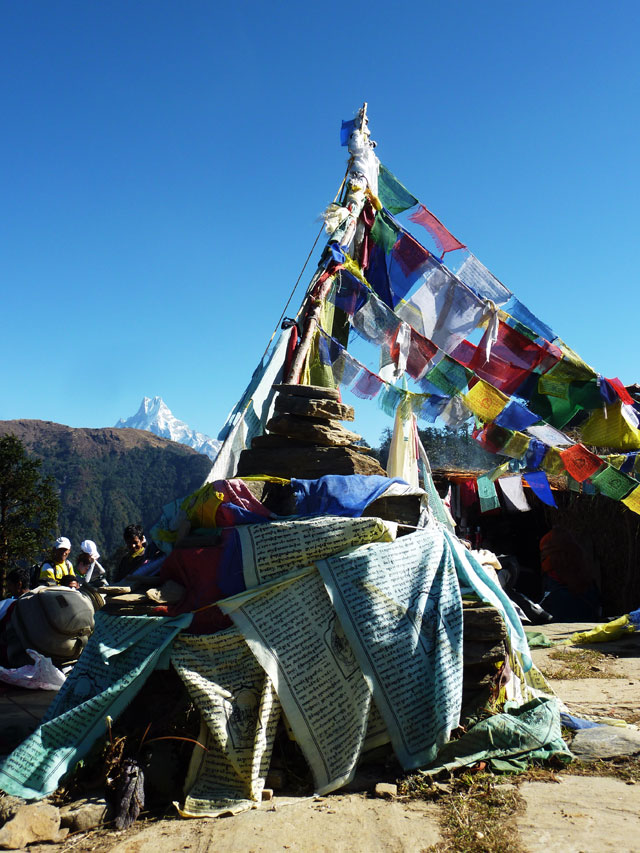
x=36 y=569
x=54 y=620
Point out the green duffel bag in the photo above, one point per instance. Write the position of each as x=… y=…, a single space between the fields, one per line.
x=53 y=620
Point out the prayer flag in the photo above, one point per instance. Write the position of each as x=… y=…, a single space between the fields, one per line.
x=384 y=231
x=485 y=401
x=484 y=284
x=552 y=463
x=517 y=445
x=517 y=417
x=539 y=484
x=443 y=238
x=346 y=130
x=513 y=493
x=632 y=500
x=393 y=195
x=613 y=483
x=580 y=462
x=487 y=493
x=367 y=385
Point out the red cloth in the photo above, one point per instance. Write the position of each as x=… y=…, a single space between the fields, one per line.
x=421 y=352
x=292 y=343
x=198 y=570
x=237 y=494
x=621 y=391
x=409 y=254
x=563 y=559
x=442 y=237
x=468 y=493
x=580 y=462
x=513 y=358
x=367 y=217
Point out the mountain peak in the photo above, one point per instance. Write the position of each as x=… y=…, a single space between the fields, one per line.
x=155 y=416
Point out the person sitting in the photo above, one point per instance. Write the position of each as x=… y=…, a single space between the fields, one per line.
x=139 y=551
x=58 y=566
x=69 y=580
x=17 y=584
x=87 y=566
x=570 y=590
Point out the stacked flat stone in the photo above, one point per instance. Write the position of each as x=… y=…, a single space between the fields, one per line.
x=306 y=439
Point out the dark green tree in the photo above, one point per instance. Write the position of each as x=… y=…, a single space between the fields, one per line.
x=29 y=507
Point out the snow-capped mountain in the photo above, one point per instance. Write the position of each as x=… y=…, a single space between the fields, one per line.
x=155 y=416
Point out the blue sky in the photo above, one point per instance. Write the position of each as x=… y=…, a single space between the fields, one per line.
x=164 y=165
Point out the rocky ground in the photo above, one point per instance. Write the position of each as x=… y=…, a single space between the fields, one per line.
x=547 y=810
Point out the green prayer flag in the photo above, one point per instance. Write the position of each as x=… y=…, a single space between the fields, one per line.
x=392 y=194
x=449 y=376
x=384 y=232
x=613 y=483
x=487 y=493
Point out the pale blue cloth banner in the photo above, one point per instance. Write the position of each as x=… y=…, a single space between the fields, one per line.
x=119 y=657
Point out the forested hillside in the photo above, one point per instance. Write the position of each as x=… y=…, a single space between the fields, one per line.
x=108 y=478
x=448 y=449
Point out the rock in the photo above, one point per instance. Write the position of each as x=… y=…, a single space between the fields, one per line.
x=264 y=441
x=9 y=806
x=170 y=593
x=386 y=790
x=32 y=823
x=605 y=742
x=306 y=463
x=405 y=509
x=330 y=433
x=85 y=815
x=308 y=408
x=313 y=391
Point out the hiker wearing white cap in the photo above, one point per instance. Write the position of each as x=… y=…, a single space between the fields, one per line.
x=58 y=566
x=88 y=567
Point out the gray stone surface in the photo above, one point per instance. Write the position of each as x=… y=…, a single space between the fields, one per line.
x=580 y=814
x=605 y=742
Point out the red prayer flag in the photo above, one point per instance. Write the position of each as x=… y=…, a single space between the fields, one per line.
x=443 y=238
x=621 y=391
x=421 y=352
x=580 y=462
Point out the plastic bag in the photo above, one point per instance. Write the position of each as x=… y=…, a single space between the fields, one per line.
x=40 y=675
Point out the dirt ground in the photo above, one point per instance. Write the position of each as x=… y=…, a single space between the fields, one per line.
x=572 y=814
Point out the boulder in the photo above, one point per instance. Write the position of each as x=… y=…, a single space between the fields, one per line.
x=306 y=463
x=314 y=391
x=9 y=806
x=35 y=822
x=309 y=408
x=328 y=433
x=85 y=815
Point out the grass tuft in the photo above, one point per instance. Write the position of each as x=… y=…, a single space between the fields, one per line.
x=478 y=813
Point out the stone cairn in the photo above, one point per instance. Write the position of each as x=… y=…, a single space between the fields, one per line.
x=306 y=439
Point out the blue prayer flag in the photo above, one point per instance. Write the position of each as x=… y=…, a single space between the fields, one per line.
x=539 y=484
x=346 y=130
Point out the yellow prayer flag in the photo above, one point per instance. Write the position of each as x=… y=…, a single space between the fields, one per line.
x=632 y=501
x=552 y=463
x=517 y=445
x=498 y=472
x=616 y=460
x=485 y=401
